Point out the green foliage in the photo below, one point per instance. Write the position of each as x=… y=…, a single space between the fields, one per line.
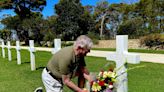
x=131 y=27
x=153 y=40
x=100 y=12
x=149 y=10
x=49 y=36
x=13 y=43
x=72 y=20
x=95 y=37
x=23 y=8
x=69 y=13
x=34 y=28
x=11 y=22
x=5 y=34
x=29 y=28
x=67 y=43
x=101 y=7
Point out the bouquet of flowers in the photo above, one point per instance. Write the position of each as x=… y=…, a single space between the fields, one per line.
x=104 y=81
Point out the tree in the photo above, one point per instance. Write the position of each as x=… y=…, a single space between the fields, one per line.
x=86 y=22
x=71 y=20
x=49 y=28
x=34 y=27
x=150 y=10
x=131 y=27
x=25 y=11
x=100 y=15
x=29 y=28
x=5 y=34
x=12 y=23
x=23 y=8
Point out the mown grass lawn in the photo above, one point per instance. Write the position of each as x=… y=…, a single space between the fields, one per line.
x=20 y=78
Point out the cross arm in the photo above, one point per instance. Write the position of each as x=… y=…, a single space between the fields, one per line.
x=111 y=56
x=132 y=58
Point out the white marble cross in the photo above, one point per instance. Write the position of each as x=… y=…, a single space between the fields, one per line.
x=57 y=45
x=32 y=54
x=120 y=57
x=9 y=50
x=18 y=53
x=3 y=49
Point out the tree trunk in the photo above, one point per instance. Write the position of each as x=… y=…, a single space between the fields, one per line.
x=102 y=24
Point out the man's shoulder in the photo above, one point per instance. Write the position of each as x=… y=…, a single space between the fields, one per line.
x=66 y=52
x=68 y=49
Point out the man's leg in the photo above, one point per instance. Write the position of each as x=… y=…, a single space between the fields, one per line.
x=51 y=84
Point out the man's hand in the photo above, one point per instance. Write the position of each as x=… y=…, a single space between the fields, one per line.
x=85 y=70
x=88 y=77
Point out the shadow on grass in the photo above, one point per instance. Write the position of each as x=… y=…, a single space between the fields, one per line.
x=25 y=62
x=40 y=68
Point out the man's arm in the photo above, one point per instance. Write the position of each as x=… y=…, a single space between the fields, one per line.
x=66 y=80
x=86 y=74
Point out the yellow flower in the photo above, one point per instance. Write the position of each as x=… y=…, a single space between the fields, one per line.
x=111 y=74
x=105 y=74
x=96 y=87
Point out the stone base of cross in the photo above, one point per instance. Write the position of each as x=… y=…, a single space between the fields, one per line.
x=120 y=57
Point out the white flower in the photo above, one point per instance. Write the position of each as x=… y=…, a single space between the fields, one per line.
x=105 y=74
x=100 y=74
x=110 y=86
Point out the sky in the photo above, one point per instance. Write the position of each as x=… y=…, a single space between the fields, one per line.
x=49 y=9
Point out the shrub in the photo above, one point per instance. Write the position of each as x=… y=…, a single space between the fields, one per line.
x=13 y=43
x=94 y=37
x=155 y=41
x=67 y=43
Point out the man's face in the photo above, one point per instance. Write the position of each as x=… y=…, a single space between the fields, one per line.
x=82 y=51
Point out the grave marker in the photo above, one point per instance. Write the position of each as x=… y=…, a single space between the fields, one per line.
x=120 y=57
x=3 y=49
x=57 y=45
x=18 y=53
x=32 y=54
x=9 y=50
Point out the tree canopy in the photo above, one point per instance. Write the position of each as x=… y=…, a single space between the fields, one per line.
x=23 y=8
x=72 y=20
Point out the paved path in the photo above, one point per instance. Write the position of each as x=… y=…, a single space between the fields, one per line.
x=155 y=58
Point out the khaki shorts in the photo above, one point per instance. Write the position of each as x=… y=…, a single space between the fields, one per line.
x=51 y=84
